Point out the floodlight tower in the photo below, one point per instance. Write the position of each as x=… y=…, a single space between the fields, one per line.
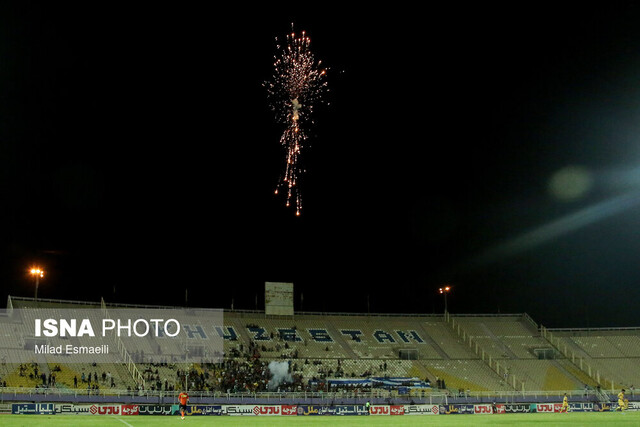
x=444 y=291
x=38 y=274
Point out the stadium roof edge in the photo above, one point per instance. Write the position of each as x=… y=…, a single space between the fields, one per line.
x=599 y=329
x=11 y=298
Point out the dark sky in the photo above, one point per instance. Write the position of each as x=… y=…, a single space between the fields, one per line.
x=138 y=155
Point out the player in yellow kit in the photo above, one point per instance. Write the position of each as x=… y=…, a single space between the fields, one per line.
x=565 y=404
x=621 y=405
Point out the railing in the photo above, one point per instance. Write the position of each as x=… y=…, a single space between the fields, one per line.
x=55 y=301
x=254 y=312
x=529 y=320
x=606 y=329
x=502 y=394
x=432 y=396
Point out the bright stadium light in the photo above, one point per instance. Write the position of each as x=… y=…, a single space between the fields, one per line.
x=444 y=291
x=37 y=273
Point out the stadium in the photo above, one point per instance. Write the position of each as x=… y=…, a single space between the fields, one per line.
x=305 y=213
x=310 y=363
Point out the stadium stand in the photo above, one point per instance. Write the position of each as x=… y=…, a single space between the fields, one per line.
x=459 y=354
x=609 y=356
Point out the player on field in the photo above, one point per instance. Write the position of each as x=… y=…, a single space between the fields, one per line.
x=565 y=404
x=183 y=398
x=621 y=406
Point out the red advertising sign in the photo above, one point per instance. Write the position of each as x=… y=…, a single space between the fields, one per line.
x=396 y=409
x=266 y=410
x=379 y=410
x=104 y=410
x=546 y=407
x=482 y=409
x=289 y=409
x=130 y=410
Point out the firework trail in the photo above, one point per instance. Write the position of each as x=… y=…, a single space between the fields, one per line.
x=298 y=84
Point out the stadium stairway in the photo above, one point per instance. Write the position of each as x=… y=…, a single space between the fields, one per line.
x=492 y=363
x=465 y=374
x=447 y=340
x=429 y=339
x=576 y=382
x=575 y=372
x=505 y=349
x=43 y=366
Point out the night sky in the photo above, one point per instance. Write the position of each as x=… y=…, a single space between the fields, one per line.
x=495 y=149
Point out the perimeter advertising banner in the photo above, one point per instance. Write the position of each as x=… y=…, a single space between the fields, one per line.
x=520 y=408
x=239 y=410
x=199 y=410
x=289 y=410
x=302 y=410
x=106 y=409
x=312 y=410
x=633 y=406
x=421 y=409
x=154 y=409
x=483 y=409
x=99 y=409
x=387 y=410
x=71 y=408
x=33 y=408
x=581 y=407
x=332 y=410
x=456 y=409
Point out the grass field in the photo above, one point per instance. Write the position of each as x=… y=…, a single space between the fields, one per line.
x=575 y=419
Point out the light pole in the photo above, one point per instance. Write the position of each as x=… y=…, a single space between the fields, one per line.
x=38 y=273
x=444 y=291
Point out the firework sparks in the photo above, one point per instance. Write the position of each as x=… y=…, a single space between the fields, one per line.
x=298 y=84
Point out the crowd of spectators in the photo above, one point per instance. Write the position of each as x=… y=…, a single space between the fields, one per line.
x=243 y=370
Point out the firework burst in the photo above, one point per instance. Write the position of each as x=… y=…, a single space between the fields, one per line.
x=298 y=84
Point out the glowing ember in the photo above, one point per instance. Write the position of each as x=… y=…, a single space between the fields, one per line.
x=296 y=86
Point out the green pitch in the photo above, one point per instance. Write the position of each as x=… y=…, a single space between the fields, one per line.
x=575 y=419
